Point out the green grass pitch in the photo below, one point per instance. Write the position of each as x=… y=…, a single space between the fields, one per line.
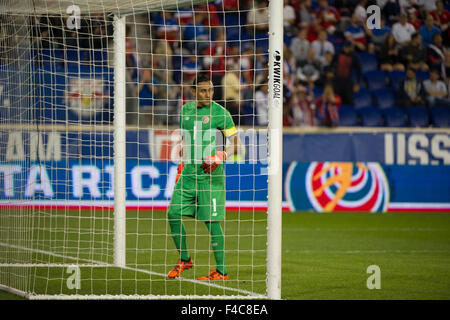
x=325 y=255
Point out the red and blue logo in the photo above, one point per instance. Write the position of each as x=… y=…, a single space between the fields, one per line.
x=347 y=186
x=337 y=186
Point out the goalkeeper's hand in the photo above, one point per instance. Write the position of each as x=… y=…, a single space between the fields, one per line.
x=212 y=162
x=179 y=170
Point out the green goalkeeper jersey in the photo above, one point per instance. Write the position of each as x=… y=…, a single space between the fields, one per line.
x=199 y=126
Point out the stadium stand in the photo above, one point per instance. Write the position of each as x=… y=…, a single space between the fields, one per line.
x=375 y=79
x=362 y=99
x=369 y=61
x=348 y=116
x=395 y=78
x=394 y=117
x=370 y=117
x=418 y=116
x=440 y=116
x=384 y=97
x=377 y=87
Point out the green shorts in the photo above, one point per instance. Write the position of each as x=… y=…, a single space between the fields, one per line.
x=203 y=199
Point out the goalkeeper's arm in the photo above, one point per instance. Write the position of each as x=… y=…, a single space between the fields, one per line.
x=181 y=164
x=212 y=162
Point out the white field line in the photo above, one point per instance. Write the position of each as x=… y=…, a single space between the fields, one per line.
x=365 y=251
x=103 y=264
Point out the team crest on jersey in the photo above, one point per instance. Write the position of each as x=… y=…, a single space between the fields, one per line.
x=205 y=119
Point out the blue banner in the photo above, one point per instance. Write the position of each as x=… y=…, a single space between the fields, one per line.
x=388 y=147
x=318 y=186
x=366 y=186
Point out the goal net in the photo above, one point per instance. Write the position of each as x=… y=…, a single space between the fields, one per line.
x=91 y=96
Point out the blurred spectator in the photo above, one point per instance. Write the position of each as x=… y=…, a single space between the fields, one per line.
x=327 y=106
x=391 y=10
x=289 y=17
x=379 y=35
x=407 y=6
x=167 y=26
x=165 y=87
x=258 y=17
x=435 y=90
x=321 y=46
x=360 y=11
x=289 y=65
x=415 y=53
x=211 y=18
x=191 y=65
x=327 y=16
x=345 y=63
x=230 y=5
x=414 y=20
x=410 y=90
x=426 y=5
x=215 y=58
x=261 y=70
x=196 y=35
x=231 y=85
x=145 y=89
x=447 y=65
x=436 y=54
x=441 y=19
x=308 y=71
x=184 y=15
x=300 y=46
x=356 y=34
x=304 y=13
x=246 y=64
x=389 y=57
x=402 y=31
x=131 y=57
x=261 y=103
x=428 y=30
x=302 y=111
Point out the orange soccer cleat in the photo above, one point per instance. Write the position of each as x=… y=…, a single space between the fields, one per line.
x=214 y=275
x=180 y=267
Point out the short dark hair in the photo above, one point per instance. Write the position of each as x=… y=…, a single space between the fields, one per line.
x=201 y=77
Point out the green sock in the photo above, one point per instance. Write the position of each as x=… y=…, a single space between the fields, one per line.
x=179 y=237
x=218 y=245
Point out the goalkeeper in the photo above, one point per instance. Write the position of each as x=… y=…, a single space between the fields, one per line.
x=200 y=188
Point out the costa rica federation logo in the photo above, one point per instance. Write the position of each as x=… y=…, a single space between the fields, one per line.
x=347 y=186
x=205 y=119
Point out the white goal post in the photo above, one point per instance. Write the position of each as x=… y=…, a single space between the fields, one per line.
x=58 y=240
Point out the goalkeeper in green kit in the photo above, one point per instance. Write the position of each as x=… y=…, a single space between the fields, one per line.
x=200 y=188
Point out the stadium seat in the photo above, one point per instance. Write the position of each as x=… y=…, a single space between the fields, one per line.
x=375 y=79
x=418 y=116
x=422 y=75
x=362 y=99
x=370 y=116
x=369 y=61
x=394 y=117
x=440 y=116
x=347 y=116
x=384 y=98
x=395 y=78
x=73 y=55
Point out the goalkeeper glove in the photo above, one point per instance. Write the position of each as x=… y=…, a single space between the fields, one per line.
x=212 y=162
x=179 y=170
